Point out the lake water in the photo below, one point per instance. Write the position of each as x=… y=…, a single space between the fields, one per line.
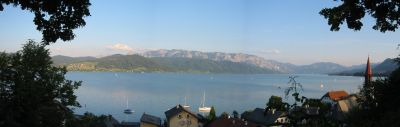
x=154 y=93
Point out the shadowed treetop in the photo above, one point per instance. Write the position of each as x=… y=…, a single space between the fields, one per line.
x=386 y=13
x=54 y=18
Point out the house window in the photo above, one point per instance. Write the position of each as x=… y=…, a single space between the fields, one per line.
x=179 y=116
x=187 y=116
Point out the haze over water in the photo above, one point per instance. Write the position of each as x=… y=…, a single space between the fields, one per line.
x=154 y=93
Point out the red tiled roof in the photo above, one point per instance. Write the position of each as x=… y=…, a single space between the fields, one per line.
x=336 y=95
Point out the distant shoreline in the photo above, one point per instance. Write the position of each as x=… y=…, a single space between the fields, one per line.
x=189 y=72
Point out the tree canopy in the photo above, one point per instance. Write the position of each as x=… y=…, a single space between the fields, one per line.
x=275 y=102
x=212 y=115
x=33 y=93
x=386 y=13
x=54 y=18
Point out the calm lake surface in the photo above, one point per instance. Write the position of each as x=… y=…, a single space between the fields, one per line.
x=154 y=93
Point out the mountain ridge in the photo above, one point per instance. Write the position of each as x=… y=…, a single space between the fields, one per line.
x=137 y=63
x=382 y=69
x=210 y=62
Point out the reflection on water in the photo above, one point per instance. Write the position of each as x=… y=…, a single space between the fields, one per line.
x=154 y=93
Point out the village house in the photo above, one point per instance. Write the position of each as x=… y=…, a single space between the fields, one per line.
x=344 y=105
x=150 y=121
x=178 y=116
x=347 y=103
x=262 y=118
x=332 y=97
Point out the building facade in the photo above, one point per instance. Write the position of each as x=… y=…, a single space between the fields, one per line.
x=178 y=116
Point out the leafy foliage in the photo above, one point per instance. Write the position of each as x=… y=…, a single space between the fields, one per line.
x=235 y=114
x=88 y=120
x=386 y=13
x=32 y=92
x=224 y=115
x=294 y=87
x=211 y=116
x=296 y=113
x=54 y=18
x=275 y=102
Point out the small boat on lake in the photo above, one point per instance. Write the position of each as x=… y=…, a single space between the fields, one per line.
x=186 y=106
x=127 y=110
x=203 y=108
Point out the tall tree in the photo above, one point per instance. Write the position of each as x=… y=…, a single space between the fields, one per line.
x=211 y=115
x=32 y=92
x=385 y=12
x=54 y=18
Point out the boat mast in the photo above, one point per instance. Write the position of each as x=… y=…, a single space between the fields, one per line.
x=185 y=101
x=127 y=103
x=204 y=98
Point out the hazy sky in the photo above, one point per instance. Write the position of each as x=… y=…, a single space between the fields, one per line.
x=284 y=30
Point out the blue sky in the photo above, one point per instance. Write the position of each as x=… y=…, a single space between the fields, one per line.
x=287 y=31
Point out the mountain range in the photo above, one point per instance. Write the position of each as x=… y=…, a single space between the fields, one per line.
x=381 y=69
x=205 y=62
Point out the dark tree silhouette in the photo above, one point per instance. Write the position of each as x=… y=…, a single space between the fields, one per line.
x=212 y=115
x=386 y=13
x=296 y=111
x=54 y=18
x=275 y=102
x=378 y=103
x=33 y=93
x=294 y=87
x=224 y=115
x=235 y=114
x=88 y=120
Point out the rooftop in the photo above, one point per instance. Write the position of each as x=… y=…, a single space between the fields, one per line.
x=176 y=110
x=336 y=95
x=259 y=116
x=146 y=118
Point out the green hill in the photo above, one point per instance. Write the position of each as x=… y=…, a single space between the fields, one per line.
x=136 y=63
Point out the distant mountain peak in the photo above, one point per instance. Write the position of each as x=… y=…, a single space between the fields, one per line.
x=219 y=56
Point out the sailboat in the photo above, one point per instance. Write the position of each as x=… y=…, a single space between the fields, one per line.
x=203 y=108
x=127 y=110
x=186 y=106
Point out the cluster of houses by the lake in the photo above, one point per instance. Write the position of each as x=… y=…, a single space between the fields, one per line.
x=340 y=103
